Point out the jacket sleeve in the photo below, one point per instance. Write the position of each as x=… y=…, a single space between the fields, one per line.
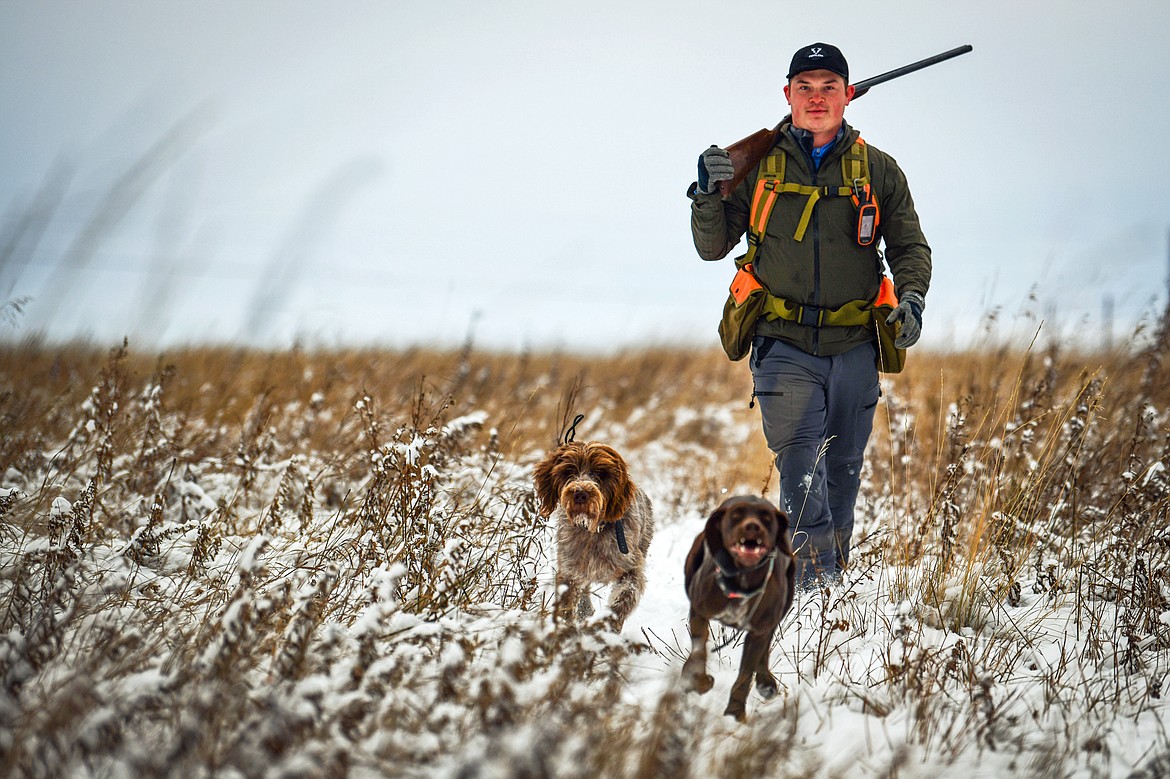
x=717 y=224
x=907 y=251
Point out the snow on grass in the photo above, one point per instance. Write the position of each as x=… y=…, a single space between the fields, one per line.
x=373 y=597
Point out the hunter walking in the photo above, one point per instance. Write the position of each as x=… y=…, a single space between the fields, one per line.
x=816 y=209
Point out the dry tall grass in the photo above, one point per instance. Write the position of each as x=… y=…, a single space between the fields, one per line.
x=228 y=562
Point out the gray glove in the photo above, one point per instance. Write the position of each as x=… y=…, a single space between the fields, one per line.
x=714 y=166
x=909 y=313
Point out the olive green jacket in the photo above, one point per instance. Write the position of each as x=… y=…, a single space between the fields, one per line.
x=827 y=268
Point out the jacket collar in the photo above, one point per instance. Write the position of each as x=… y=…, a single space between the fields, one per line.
x=793 y=138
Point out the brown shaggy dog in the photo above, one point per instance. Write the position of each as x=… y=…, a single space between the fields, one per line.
x=739 y=572
x=604 y=525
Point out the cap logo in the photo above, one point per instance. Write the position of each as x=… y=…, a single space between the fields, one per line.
x=816 y=52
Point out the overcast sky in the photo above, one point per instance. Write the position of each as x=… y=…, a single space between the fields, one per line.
x=405 y=172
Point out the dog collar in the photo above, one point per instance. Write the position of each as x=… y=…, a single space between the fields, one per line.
x=619 y=530
x=728 y=573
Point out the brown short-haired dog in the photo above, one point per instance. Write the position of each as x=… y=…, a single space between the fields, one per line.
x=739 y=572
x=604 y=526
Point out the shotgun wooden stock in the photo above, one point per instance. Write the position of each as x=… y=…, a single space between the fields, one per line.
x=746 y=153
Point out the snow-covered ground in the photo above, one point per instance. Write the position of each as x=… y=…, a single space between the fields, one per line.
x=271 y=610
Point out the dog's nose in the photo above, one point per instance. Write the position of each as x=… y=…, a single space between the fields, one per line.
x=580 y=496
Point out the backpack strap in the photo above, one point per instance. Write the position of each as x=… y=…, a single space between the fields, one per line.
x=770 y=184
x=854 y=313
x=855 y=164
x=763 y=201
x=855 y=176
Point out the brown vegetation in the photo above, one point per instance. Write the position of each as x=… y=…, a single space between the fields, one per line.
x=320 y=563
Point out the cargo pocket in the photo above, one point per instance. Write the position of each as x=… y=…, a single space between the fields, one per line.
x=775 y=401
x=762 y=387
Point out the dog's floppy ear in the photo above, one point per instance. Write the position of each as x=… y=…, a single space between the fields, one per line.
x=618 y=486
x=712 y=532
x=548 y=492
x=693 y=563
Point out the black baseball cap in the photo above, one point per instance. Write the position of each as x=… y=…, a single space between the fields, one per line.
x=819 y=56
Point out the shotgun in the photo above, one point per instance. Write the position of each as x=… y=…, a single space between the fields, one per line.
x=747 y=152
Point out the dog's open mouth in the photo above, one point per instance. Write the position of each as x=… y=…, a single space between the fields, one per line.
x=748 y=551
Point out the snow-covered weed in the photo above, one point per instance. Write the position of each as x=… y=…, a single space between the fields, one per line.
x=226 y=563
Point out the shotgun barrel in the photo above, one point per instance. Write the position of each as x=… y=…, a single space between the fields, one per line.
x=747 y=152
x=861 y=87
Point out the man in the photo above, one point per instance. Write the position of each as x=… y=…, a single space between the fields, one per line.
x=816 y=379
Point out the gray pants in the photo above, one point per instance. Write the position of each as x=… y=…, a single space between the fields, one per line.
x=817 y=414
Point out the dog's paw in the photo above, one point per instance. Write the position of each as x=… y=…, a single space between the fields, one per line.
x=766 y=686
x=698 y=682
x=613 y=623
x=694 y=674
x=737 y=710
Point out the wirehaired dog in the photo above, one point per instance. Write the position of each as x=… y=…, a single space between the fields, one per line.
x=604 y=524
x=739 y=572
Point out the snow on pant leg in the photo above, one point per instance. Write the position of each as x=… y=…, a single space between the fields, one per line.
x=789 y=385
x=852 y=394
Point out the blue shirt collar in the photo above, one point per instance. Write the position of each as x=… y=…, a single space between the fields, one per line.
x=815 y=153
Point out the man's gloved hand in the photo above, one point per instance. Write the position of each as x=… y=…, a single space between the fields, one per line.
x=714 y=166
x=909 y=313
